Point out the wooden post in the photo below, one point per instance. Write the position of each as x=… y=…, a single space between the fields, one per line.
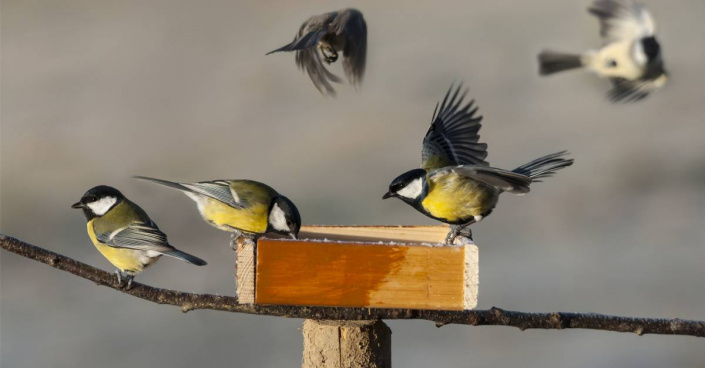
x=245 y=270
x=347 y=344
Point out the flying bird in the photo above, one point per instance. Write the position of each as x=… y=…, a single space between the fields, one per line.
x=124 y=234
x=630 y=56
x=455 y=184
x=322 y=38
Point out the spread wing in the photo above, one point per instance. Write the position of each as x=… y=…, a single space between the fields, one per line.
x=503 y=180
x=310 y=61
x=138 y=236
x=624 y=90
x=352 y=27
x=307 y=57
x=623 y=20
x=453 y=136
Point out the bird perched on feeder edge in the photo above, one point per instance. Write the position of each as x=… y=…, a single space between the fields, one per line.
x=124 y=234
x=455 y=184
x=630 y=58
x=242 y=207
x=331 y=33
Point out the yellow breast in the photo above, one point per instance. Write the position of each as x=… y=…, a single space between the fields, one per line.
x=133 y=261
x=252 y=219
x=456 y=198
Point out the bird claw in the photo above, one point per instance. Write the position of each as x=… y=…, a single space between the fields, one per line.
x=124 y=277
x=329 y=57
x=234 y=236
x=456 y=231
x=451 y=236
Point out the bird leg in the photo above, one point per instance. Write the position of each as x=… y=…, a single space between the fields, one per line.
x=234 y=235
x=124 y=277
x=329 y=57
x=459 y=230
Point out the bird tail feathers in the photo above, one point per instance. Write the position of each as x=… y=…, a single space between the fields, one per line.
x=167 y=183
x=553 y=62
x=544 y=167
x=308 y=40
x=185 y=257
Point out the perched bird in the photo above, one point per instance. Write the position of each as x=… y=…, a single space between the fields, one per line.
x=630 y=56
x=124 y=234
x=242 y=207
x=339 y=31
x=455 y=184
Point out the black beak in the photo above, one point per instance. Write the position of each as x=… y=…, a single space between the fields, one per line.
x=388 y=195
x=77 y=205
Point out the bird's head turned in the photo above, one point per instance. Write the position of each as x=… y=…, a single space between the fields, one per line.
x=98 y=201
x=284 y=217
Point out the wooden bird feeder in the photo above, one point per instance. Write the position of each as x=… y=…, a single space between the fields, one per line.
x=360 y=266
x=407 y=267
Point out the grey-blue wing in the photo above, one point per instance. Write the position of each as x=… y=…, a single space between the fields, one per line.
x=504 y=180
x=217 y=189
x=453 y=136
x=350 y=24
x=138 y=236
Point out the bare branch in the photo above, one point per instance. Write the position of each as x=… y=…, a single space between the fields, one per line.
x=493 y=316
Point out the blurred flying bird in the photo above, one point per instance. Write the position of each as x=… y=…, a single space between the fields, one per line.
x=455 y=184
x=242 y=207
x=124 y=234
x=630 y=56
x=332 y=33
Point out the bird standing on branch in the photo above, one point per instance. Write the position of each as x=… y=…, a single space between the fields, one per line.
x=331 y=33
x=243 y=207
x=630 y=57
x=124 y=234
x=455 y=184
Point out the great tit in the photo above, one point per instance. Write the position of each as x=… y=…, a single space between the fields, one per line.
x=455 y=184
x=339 y=31
x=124 y=234
x=242 y=207
x=630 y=56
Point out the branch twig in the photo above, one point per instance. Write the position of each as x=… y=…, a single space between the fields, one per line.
x=493 y=316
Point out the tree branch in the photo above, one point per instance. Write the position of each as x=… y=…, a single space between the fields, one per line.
x=493 y=316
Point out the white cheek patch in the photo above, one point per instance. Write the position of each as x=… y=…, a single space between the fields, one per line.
x=101 y=206
x=413 y=190
x=277 y=219
x=638 y=54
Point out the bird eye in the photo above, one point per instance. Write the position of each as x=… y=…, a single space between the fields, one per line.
x=90 y=199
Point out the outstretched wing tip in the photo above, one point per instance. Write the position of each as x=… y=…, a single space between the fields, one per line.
x=452 y=138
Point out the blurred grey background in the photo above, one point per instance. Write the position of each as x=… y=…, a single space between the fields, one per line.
x=94 y=92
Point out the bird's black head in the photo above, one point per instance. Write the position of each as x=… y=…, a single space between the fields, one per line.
x=409 y=186
x=651 y=47
x=284 y=217
x=98 y=201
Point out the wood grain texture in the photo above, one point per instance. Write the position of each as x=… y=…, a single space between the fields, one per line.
x=360 y=274
x=402 y=234
x=245 y=271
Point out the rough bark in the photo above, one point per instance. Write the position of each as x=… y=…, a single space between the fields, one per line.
x=347 y=344
x=493 y=316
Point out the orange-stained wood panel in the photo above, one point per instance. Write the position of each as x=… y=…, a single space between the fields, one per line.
x=359 y=275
